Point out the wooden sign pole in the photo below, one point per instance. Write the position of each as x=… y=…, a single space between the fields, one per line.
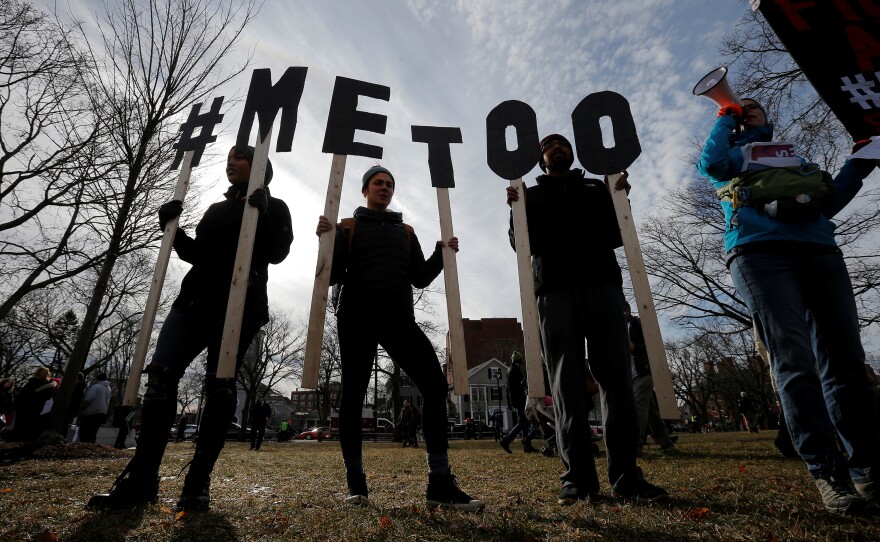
x=149 y=317
x=531 y=330
x=241 y=273
x=318 y=311
x=453 y=298
x=645 y=301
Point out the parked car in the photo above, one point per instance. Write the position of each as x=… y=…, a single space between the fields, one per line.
x=191 y=429
x=312 y=434
x=231 y=433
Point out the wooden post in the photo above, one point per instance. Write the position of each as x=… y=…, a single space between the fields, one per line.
x=531 y=332
x=318 y=311
x=645 y=301
x=453 y=298
x=242 y=270
x=149 y=316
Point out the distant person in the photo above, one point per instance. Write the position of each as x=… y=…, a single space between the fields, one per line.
x=181 y=427
x=414 y=427
x=517 y=393
x=788 y=270
x=748 y=413
x=195 y=323
x=28 y=405
x=377 y=260
x=573 y=234
x=404 y=422
x=122 y=420
x=647 y=409
x=283 y=431
x=93 y=411
x=7 y=397
x=260 y=414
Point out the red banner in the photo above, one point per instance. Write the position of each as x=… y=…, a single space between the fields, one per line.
x=837 y=45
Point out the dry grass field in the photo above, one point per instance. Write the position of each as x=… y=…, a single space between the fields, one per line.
x=724 y=487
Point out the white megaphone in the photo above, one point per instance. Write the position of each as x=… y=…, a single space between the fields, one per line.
x=714 y=86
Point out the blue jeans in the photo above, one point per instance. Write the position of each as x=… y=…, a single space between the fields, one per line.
x=782 y=291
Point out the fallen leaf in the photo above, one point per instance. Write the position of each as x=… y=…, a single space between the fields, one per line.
x=742 y=468
x=6 y=490
x=181 y=514
x=48 y=536
x=696 y=514
x=166 y=510
x=772 y=538
x=385 y=522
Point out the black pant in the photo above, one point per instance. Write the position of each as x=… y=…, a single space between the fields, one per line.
x=409 y=348
x=89 y=425
x=257 y=433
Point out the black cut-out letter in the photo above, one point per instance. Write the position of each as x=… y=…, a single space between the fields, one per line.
x=206 y=122
x=439 y=155
x=513 y=164
x=265 y=99
x=344 y=118
x=591 y=153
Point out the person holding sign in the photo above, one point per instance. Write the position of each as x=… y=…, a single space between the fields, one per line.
x=377 y=259
x=573 y=232
x=788 y=270
x=196 y=322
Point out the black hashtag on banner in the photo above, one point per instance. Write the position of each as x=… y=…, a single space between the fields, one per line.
x=206 y=122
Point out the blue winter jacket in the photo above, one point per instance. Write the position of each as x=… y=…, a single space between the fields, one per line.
x=722 y=160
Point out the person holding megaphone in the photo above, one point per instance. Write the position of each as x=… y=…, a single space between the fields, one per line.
x=788 y=269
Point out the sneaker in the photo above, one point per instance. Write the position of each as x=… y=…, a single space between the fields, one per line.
x=837 y=494
x=570 y=494
x=548 y=451
x=357 y=489
x=443 y=492
x=868 y=491
x=640 y=491
x=530 y=449
x=505 y=446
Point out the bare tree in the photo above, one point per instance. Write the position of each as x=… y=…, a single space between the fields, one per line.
x=156 y=62
x=277 y=356
x=50 y=152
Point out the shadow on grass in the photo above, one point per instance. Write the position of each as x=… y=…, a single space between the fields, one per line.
x=209 y=525
x=108 y=526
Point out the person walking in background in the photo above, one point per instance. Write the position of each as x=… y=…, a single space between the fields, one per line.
x=93 y=412
x=748 y=413
x=260 y=414
x=517 y=392
x=404 y=422
x=573 y=232
x=181 y=427
x=786 y=266
x=196 y=322
x=28 y=404
x=378 y=259
x=79 y=389
x=647 y=409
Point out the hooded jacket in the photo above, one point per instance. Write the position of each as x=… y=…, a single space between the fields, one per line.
x=383 y=265
x=205 y=288
x=573 y=232
x=722 y=160
x=97 y=399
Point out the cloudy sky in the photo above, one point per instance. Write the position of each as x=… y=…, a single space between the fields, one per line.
x=448 y=64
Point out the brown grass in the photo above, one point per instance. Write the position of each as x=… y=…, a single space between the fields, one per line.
x=725 y=486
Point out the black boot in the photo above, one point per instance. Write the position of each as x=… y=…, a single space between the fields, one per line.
x=138 y=484
x=135 y=490
x=443 y=492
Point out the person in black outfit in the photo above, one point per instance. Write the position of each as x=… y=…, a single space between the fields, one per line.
x=195 y=322
x=377 y=261
x=28 y=404
x=404 y=422
x=260 y=413
x=79 y=389
x=517 y=388
x=573 y=232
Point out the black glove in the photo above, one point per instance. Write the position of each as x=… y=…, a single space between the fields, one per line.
x=259 y=199
x=169 y=210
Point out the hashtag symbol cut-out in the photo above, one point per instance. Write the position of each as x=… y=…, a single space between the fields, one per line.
x=862 y=90
x=206 y=122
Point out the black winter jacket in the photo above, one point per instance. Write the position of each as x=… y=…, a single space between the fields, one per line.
x=573 y=232
x=205 y=288
x=383 y=265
